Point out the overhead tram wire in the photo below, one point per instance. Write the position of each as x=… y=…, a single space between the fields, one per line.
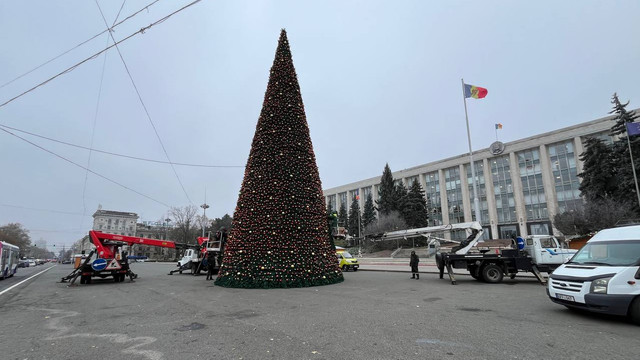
x=73 y=67
x=143 y=105
x=82 y=167
x=116 y=154
x=77 y=46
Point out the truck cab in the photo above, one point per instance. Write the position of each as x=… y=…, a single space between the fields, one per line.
x=546 y=250
x=604 y=276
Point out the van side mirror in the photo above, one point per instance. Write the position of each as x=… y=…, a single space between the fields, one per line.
x=637 y=274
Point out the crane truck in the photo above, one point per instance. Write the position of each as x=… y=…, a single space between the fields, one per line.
x=535 y=253
x=193 y=258
x=108 y=259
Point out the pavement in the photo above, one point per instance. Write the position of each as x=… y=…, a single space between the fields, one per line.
x=427 y=265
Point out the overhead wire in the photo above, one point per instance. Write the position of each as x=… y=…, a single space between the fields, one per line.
x=73 y=67
x=116 y=154
x=83 y=167
x=143 y=105
x=77 y=46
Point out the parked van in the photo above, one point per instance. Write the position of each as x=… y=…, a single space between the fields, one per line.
x=346 y=260
x=604 y=276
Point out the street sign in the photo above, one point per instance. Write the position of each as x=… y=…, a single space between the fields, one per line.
x=114 y=265
x=99 y=264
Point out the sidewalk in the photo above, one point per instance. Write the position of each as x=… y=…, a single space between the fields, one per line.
x=427 y=265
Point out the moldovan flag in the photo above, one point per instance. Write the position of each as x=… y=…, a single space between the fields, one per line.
x=476 y=92
x=498 y=126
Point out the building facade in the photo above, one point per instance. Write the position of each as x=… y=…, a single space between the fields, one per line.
x=521 y=185
x=115 y=222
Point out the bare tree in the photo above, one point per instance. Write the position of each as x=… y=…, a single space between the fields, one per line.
x=185 y=221
x=597 y=215
x=17 y=235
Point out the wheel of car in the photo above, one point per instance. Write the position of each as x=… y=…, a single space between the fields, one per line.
x=345 y=268
x=88 y=281
x=355 y=269
x=83 y=279
x=492 y=273
x=634 y=311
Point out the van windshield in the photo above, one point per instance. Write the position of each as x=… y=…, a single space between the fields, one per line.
x=609 y=253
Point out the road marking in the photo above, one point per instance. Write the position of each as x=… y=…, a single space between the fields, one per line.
x=27 y=279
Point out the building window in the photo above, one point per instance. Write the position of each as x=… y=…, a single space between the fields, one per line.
x=100 y=227
x=539 y=228
x=508 y=231
x=331 y=199
x=565 y=178
x=535 y=202
x=482 y=192
x=432 y=194
x=605 y=137
x=411 y=180
x=366 y=192
x=503 y=190
x=453 y=186
x=354 y=193
x=343 y=200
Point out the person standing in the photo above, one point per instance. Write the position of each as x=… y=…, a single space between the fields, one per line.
x=414 y=265
x=211 y=266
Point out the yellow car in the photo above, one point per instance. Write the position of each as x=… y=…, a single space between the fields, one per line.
x=346 y=260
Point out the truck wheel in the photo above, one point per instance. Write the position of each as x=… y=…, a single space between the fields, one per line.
x=492 y=274
x=83 y=279
x=116 y=278
x=634 y=311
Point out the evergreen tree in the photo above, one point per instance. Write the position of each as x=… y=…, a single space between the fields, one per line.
x=598 y=174
x=387 y=192
x=400 y=197
x=369 y=214
x=279 y=236
x=621 y=160
x=355 y=221
x=415 y=207
x=343 y=217
x=622 y=116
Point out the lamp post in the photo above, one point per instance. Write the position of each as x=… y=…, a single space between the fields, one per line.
x=204 y=216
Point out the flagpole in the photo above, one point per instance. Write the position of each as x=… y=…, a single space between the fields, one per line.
x=496 y=132
x=633 y=166
x=476 y=203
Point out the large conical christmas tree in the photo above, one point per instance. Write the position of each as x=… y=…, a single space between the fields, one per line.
x=280 y=236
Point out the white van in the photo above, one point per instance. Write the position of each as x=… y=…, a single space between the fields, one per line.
x=604 y=276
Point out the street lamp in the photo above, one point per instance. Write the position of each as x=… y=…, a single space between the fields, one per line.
x=204 y=216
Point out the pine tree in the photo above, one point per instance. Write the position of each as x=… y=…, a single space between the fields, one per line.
x=387 y=192
x=415 y=207
x=369 y=214
x=343 y=217
x=279 y=236
x=598 y=174
x=621 y=160
x=355 y=220
x=622 y=116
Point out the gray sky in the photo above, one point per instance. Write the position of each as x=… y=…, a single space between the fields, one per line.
x=380 y=82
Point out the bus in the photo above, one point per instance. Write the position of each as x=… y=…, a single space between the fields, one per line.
x=9 y=259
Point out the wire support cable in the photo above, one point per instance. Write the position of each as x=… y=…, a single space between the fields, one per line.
x=116 y=154
x=85 y=168
x=155 y=130
x=73 y=67
x=77 y=46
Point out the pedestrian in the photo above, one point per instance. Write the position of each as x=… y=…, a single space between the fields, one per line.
x=211 y=265
x=414 y=265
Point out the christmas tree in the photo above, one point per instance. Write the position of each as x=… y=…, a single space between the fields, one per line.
x=280 y=236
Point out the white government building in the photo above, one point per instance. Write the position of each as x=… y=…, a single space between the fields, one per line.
x=521 y=184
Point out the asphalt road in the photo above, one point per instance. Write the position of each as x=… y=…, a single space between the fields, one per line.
x=372 y=315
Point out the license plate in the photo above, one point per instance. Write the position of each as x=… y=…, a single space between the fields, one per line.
x=565 y=297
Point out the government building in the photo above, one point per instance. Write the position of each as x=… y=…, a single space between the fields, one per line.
x=521 y=184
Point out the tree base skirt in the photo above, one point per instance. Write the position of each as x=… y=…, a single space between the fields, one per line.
x=230 y=282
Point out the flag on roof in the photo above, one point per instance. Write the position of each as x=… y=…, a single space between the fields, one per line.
x=633 y=128
x=476 y=92
x=498 y=126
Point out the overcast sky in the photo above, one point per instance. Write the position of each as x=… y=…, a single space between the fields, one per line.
x=380 y=82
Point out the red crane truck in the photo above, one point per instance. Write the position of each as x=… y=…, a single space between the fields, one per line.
x=110 y=260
